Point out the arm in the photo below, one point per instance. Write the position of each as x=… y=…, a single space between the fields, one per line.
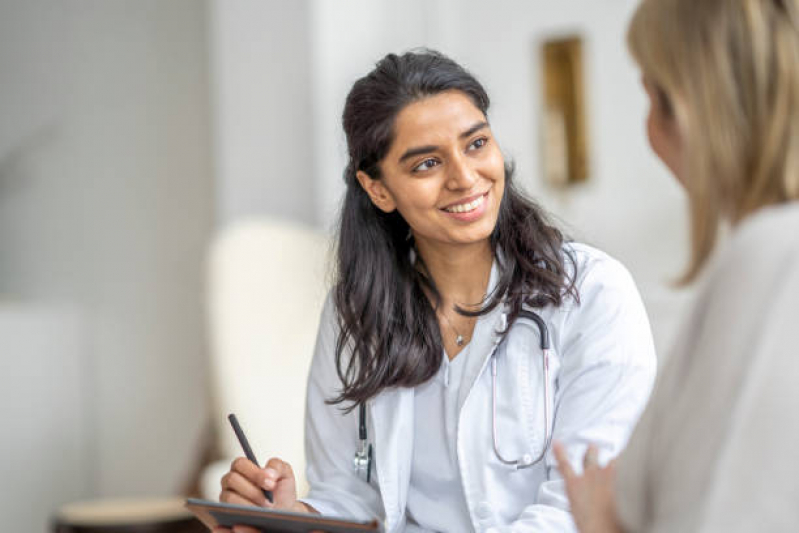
x=607 y=372
x=331 y=438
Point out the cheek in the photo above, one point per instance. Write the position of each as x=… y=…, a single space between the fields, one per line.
x=652 y=134
x=415 y=202
x=493 y=168
x=665 y=145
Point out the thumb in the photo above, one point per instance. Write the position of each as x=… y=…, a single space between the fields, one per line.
x=279 y=469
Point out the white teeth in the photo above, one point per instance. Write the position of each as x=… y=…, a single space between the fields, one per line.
x=465 y=208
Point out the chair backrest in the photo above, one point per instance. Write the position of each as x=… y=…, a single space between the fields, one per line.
x=266 y=287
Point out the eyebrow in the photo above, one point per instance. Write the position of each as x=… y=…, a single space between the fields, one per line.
x=420 y=150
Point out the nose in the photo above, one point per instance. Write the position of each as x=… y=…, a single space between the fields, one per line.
x=461 y=174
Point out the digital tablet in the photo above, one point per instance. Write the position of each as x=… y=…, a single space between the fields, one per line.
x=214 y=514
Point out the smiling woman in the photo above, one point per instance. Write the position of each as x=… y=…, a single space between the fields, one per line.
x=444 y=271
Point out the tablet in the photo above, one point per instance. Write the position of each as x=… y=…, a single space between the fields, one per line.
x=214 y=514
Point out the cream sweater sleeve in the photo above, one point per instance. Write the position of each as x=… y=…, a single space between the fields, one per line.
x=715 y=449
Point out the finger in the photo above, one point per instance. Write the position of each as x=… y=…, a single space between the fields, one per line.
x=563 y=461
x=219 y=529
x=228 y=496
x=235 y=482
x=277 y=469
x=591 y=458
x=248 y=469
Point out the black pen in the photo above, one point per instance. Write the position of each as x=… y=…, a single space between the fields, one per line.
x=247 y=450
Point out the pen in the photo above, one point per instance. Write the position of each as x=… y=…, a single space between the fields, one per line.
x=247 y=450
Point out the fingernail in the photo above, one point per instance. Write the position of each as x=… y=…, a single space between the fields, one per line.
x=272 y=474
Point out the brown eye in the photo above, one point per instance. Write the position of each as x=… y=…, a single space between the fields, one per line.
x=478 y=143
x=427 y=164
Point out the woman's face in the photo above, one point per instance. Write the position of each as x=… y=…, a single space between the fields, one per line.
x=662 y=130
x=444 y=172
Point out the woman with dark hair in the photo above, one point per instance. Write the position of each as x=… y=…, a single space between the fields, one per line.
x=463 y=331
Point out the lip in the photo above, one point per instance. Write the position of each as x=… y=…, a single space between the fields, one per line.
x=469 y=216
x=466 y=200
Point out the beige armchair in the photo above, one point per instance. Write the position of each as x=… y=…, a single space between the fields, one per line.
x=266 y=287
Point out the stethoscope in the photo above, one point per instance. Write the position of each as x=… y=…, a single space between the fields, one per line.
x=363 y=456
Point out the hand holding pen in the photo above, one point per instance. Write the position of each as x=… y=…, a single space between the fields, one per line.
x=245 y=445
x=272 y=486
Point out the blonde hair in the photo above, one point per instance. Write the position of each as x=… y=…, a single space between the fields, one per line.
x=730 y=70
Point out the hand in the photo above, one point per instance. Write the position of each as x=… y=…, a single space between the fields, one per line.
x=591 y=496
x=245 y=482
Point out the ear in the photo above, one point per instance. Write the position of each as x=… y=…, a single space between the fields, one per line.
x=377 y=191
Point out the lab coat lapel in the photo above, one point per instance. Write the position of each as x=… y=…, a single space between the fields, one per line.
x=392 y=419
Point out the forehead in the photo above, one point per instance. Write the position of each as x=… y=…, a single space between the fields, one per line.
x=434 y=119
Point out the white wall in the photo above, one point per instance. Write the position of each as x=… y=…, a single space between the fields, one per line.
x=106 y=208
x=45 y=391
x=348 y=37
x=262 y=135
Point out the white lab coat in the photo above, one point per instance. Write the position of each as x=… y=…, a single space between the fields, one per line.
x=602 y=367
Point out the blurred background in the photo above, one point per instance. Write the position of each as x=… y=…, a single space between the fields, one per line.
x=133 y=132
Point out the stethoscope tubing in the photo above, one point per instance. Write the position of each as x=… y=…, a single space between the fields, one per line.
x=363 y=456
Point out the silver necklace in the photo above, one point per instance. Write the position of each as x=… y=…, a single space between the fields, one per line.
x=459 y=340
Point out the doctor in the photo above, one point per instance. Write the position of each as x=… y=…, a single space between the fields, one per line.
x=449 y=283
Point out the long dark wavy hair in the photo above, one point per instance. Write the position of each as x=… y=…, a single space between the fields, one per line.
x=389 y=334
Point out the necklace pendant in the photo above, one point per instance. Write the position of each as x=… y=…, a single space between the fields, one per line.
x=459 y=340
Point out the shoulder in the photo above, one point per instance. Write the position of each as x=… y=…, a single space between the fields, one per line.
x=608 y=309
x=763 y=249
x=329 y=316
x=756 y=267
x=595 y=272
x=606 y=325
x=324 y=359
x=768 y=236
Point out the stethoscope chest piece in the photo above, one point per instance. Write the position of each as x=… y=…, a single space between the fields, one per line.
x=362 y=461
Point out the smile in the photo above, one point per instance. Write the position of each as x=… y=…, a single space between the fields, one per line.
x=467 y=206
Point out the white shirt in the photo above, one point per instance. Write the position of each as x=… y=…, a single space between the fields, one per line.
x=716 y=449
x=435 y=497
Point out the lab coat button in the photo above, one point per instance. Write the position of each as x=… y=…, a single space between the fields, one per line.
x=484 y=510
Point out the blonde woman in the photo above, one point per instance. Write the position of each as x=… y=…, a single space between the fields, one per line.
x=716 y=449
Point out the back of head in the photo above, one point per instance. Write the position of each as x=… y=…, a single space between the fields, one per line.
x=730 y=72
